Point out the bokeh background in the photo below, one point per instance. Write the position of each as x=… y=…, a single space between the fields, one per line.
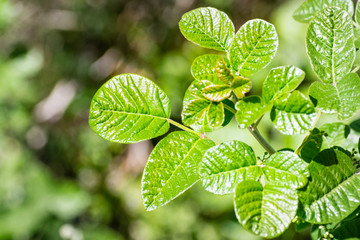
x=58 y=179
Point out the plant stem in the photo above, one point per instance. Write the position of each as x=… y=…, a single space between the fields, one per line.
x=255 y=132
x=227 y=107
x=316 y=120
x=356 y=69
x=184 y=128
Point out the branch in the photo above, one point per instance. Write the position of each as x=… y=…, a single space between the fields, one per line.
x=255 y=132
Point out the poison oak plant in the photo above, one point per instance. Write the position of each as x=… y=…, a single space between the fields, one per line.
x=316 y=184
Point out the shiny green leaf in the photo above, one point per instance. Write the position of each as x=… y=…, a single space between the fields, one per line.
x=199 y=113
x=222 y=70
x=267 y=206
x=216 y=93
x=208 y=27
x=336 y=133
x=281 y=80
x=241 y=86
x=265 y=210
x=325 y=97
x=287 y=169
x=342 y=97
x=330 y=44
x=254 y=46
x=129 y=108
x=225 y=165
x=249 y=110
x=172 y=168
x=310 y=8
x=357 y=13
x=293 y=113
x=333 y=189
x=216 y=114
x=204 y=68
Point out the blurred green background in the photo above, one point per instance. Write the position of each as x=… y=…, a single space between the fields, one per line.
x=58 y=179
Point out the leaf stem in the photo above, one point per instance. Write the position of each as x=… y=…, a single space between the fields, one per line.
x=184 y=128
x=257 y=122
x=316 y=120
x=230 y=109
x=255 y=132
x=356 y=69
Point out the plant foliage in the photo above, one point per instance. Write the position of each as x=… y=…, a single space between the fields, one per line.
x=318 y=183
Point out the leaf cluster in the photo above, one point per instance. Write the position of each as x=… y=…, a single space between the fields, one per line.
x=318 y=183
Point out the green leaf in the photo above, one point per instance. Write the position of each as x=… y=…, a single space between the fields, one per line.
x=357 y=13
x=286 y=169
x=254 y=46
x=216 y=93
x=342 y=97
x=281 y=80
x=204 y=68
x=172 y=168
x=333 y=189
x=355 y=125
x=265 y=210
x=250 y=109
x=198 y=112
x=336 y=133
x=325 y=97
x=348 y=230
x=225 y=165
x=310 y=8
x=222 y=70
x=311 y=145
x=330 y=44
x=241 y=86
x=129 y=108
x=293 y=113
x=208 y=27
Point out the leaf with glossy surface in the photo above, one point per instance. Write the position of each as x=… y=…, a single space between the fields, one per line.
x=204 y=68
x=267 y=206
x=216 y=93
x=265 y=210
x=222 y=70
x=129 y=108
x=357 y=13
x=249 y=110
x=333 y=189
x=336 y=133
x=254 y=46
x=241 y=86
x=342 y=97
x=172 y=168
x=198 y=112
x=310 y=8
x=225 y=165
x=330 y=44
x=208 y=27
x=281 y=80
x=293 y=113
x=325 y=97
x=287 y=169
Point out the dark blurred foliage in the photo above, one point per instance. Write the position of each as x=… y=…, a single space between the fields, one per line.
x=59 y=180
